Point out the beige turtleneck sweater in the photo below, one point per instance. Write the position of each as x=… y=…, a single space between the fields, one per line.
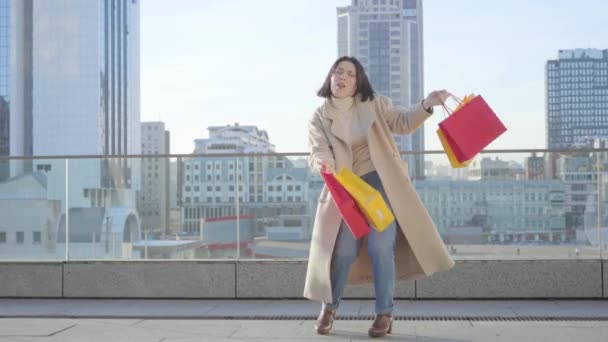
x=357 y=135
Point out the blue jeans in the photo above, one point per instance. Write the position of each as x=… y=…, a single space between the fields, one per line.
x=381 y=247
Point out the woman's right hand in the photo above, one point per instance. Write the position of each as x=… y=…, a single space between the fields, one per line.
x=328 y=166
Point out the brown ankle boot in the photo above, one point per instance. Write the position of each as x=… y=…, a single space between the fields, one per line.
x=325 y=321
x=382 y=326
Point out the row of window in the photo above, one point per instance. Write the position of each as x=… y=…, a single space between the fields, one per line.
x=218 y=166
x=378 y=16
x=579 y=65
x=443 y=198
x=231 y=199
x=210 y=188
x=210 y=178
x=581 y=108
x=555 y=94
x=578 y=73
x=271 y=188
x=580 y=78
x=20 y=237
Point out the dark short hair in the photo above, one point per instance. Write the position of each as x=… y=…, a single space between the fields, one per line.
x=363 y=86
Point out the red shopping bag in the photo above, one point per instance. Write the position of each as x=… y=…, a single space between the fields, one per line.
x=471 y=128
x=349 y=210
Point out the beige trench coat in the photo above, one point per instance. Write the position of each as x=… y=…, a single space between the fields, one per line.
x=419 y=251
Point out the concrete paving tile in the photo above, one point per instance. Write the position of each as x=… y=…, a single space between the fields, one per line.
x=357 y=331
x=84 y=329
x=320 y=338
x=521 y=333
x=123 y=322
x=279 y=331
x=89 y=338
x=460 y=308
x=15 y=327
x=586 y=334
x=208 y=328
x=536 y=324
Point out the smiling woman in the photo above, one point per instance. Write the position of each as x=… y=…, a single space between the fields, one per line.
x=354 y=129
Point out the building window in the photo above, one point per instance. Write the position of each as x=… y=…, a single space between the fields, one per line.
x=289 y=188
x=218 y=199
x=196 y=188
x=2 y=237
x=187 y=188
x=218 y=188
x=298 y=188
x=279 y=188
x=20 y=237
x=37 y=237
x=271 y=188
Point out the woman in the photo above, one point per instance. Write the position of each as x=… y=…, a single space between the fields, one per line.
x=353 y=129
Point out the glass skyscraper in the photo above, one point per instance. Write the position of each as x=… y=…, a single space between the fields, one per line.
x=577 y=97
x=386 y=36
x=69 y=85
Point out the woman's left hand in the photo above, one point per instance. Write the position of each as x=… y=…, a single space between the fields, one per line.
x=436 y=98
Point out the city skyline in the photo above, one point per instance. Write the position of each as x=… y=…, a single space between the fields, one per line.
x=203 y=70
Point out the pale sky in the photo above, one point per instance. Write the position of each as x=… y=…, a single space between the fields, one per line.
x=217 y=62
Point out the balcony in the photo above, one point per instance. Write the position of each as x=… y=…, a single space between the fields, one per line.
x=134 y=237
x=238 y=225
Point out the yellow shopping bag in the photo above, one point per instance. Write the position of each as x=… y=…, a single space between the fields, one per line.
x=446 y=146
x=369 y=200
x=448 y=151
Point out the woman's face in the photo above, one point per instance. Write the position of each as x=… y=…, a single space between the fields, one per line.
x=344 y=80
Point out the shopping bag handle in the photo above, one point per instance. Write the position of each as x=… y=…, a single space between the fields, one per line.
x=447 y=110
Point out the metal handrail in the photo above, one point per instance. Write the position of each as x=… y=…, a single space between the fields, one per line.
x=284 y=154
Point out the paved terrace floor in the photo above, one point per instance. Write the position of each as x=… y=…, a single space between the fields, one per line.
x=292 y=320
